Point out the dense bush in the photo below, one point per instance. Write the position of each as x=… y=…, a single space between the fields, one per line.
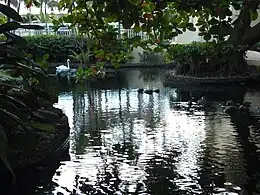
x=256 y=47
x=194 y=58
x=58 y=47
x=189 y=53
x=151 y=58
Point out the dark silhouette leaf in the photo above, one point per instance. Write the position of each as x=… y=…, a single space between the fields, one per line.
x=13 y=87
x=35 y=27
x=3 y=149
x=16 y=101
x=9 y=26
x=33 y=70
x=19 y=40
x=14 y=117
x=10 y=12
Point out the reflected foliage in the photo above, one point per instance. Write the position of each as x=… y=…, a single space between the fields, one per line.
x=150 y=75
x=124 y=142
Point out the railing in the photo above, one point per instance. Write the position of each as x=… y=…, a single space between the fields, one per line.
x=25 y=32
x=65 y=31
x=130 y=33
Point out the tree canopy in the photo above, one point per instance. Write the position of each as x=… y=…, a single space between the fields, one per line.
x=163 y=20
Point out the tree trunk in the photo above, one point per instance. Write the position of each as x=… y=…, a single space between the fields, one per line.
x=9 y=5
x=19 y=6
x=242 y=38
x=45 y=16
x=236 y=64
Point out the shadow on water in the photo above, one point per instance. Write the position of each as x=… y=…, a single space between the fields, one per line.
x=123 y=142
x=35 y=179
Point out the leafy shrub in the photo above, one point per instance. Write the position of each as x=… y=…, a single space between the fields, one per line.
x=189 y=53
x=196 y=58
x=256 y=47
x=151 y=58
x=58 y=47
x=23 y=84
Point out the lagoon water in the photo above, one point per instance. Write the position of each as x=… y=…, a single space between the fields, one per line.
x=122 y=142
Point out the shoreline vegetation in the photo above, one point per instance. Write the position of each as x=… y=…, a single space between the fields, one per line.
x=46 y=135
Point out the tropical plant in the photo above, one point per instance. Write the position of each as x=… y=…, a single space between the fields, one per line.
x=58 y=47
x=28 y=18
x=104 y=36
x=21 y=82
x=3 y=19
x=85 y=53
x=163 y=20
x=151 y=58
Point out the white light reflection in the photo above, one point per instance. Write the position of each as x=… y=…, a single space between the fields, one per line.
x=65 y=103
x=157 y=129
x=188 y=133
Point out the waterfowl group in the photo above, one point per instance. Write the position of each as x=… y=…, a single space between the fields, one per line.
x=148 y=91
x=203 y=102
x=245 y=107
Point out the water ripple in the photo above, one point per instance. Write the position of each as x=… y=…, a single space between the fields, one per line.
x=123 y=142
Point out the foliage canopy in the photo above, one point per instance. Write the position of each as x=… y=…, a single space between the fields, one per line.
x=23 y=83
x=163 y=20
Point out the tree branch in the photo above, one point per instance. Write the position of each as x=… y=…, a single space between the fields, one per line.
x=241 y=25
x=252 y=36
x=254 y=4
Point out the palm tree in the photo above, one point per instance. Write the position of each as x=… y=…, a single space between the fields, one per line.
x=47 y=4
x=29 y=18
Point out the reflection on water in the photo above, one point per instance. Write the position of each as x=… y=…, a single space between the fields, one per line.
x=123 y=142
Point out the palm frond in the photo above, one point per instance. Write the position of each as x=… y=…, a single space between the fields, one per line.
x=15 y=118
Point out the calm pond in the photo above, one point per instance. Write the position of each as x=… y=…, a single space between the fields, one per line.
x=122 y=142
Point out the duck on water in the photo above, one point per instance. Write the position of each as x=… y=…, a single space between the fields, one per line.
x=148 y=91
x=245 y=107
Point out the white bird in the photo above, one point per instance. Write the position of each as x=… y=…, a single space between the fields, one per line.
x=62 y=68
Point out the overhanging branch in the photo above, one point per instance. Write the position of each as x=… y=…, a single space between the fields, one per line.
x=252 y=36
x=254 y=4
x=241 y=25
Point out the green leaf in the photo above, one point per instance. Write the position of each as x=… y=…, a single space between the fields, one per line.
x=9 y=26
x=173 y=34
x=14 y=87
x=183 y=25
x=213 y=21
x=3 y=150
x=14 y=117
x=16 y=101
x=137 y=28
x=34 y=27
x=99 y=53
x=207 y=37
x=158 y=49
x=32 y=70
x=191 y=28
x=135 y=2
x=19 y=40
x=11 y=13
x=46 y=56
x=43 y=127
x=253 y=15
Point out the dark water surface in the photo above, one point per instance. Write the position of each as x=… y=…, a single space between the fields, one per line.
x=122 y=142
